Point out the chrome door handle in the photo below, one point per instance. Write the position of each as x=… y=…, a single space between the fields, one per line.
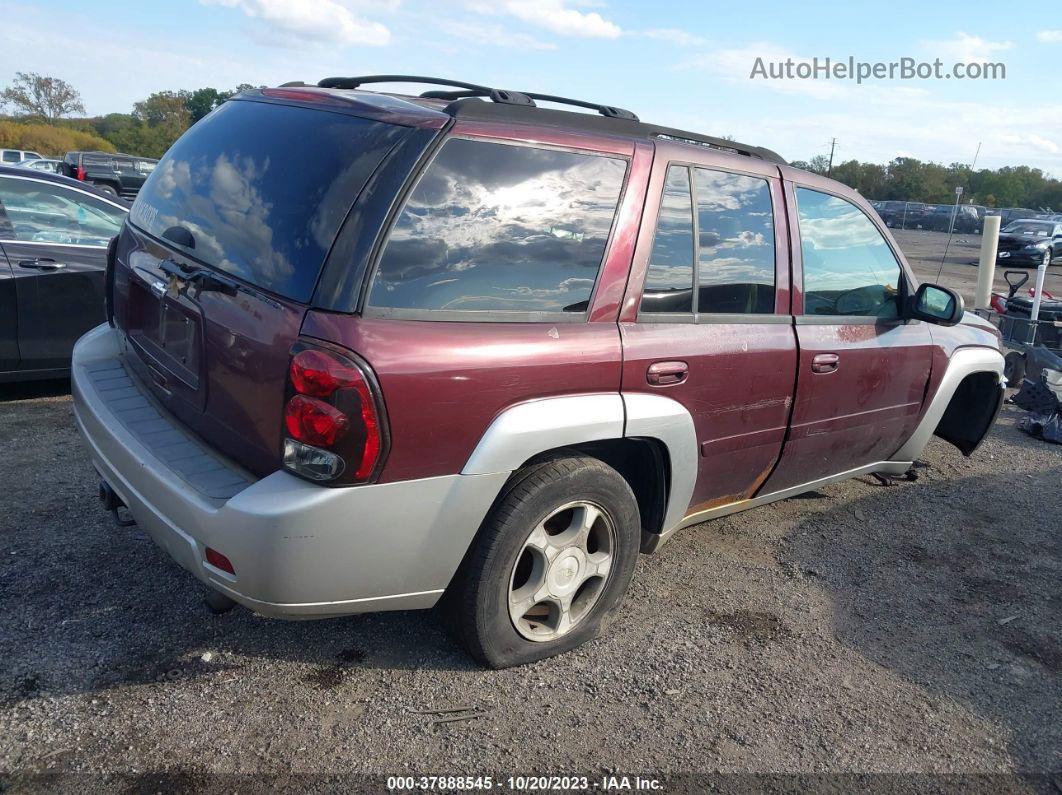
x=667 y=373
x=825 y=363
x=40 y=264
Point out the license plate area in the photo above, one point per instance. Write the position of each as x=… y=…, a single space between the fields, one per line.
x=166 y=331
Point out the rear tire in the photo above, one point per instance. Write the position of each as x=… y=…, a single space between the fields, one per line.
x=552 y=560
x=1014 y=369
x=106 y=187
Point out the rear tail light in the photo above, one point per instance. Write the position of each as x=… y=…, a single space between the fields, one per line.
x=80 y=173
x=335 y=429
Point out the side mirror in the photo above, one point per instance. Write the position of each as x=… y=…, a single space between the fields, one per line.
x=936 y=304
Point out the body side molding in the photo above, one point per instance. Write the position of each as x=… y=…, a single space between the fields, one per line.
x=885 y=467
x=526 y=429
x=667 y=420
x=963 y=362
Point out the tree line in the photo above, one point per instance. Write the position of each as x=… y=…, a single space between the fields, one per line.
x=909 y=179
x=42 y=117
x=43 y=111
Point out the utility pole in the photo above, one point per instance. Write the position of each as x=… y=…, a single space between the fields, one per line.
x=829 y=168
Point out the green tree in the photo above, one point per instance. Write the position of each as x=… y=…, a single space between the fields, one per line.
x=37 y=96
x=164 y=116
x=203 y=100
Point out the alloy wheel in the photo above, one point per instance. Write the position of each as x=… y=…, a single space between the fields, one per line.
x=561 y=571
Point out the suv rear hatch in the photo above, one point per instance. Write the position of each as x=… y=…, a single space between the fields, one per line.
x=221 y=254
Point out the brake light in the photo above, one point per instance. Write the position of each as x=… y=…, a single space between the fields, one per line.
x=314 y=372
x=315 y=422
x=333 y=417
x=303 y=95
x=80 y=173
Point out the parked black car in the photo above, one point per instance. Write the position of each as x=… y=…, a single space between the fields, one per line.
x=968 y=218
x=1030 y=242
x=117 y=174
x=1008 y=215
x=53 y=250
x=902 y=215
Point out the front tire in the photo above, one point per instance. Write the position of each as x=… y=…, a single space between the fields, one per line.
x=552 y=560
x=1014 y=369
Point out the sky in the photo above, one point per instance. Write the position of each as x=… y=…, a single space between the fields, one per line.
x=685 y=63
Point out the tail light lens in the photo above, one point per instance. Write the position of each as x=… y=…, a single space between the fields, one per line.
x=80 y=174
x=313 y=421
x=335 y=429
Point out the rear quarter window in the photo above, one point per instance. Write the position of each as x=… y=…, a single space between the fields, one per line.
x=263 y=189
x=500 y=228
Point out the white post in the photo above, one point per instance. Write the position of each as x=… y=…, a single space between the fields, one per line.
x=986 y=270
x=1041 y=272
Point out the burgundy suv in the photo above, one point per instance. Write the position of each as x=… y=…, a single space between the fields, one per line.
x=477 y=351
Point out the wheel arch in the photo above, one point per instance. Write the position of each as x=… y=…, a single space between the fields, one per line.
x=649 y=439
x=974 y=377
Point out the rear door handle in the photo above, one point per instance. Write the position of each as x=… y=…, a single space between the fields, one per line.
x=667 y=373
x=42 y=264
x=825 y=363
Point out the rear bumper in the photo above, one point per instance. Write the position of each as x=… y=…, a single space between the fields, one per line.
x=298 y=549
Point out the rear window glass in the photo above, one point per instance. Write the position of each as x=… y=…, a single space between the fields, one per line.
x=501 y=228
x=254 y=206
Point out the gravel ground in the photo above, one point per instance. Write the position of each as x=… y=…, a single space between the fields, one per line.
x=915 y=628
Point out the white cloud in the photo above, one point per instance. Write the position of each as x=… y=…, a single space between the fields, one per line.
x=314 y=21
x=673 y=36
x=877 y=123
x=493 y=35
x=554 y=16
x=1033 y=140
x=1052 y=36
x=735 y=65
x=965 y=48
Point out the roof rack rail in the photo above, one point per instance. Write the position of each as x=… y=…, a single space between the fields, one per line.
x=468 y=90
x=611 y=111
x=464 y=101
x=499 y=95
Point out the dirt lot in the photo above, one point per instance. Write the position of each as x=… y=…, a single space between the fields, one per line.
x=862 y=629
x=925 y=251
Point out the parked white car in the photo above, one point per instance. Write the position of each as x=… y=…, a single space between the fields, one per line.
x=12 y=157
x=42 y=164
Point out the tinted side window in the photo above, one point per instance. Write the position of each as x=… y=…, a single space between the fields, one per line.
x=502 y=228
x=12 y=156
x=44 y=213
x=849 y=269
x=735 y=253
x=669 y=281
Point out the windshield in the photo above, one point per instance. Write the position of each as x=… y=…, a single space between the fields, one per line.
x=1037 y=228
x=236 y=192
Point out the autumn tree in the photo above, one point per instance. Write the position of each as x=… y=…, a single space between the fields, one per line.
x=37 y=96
